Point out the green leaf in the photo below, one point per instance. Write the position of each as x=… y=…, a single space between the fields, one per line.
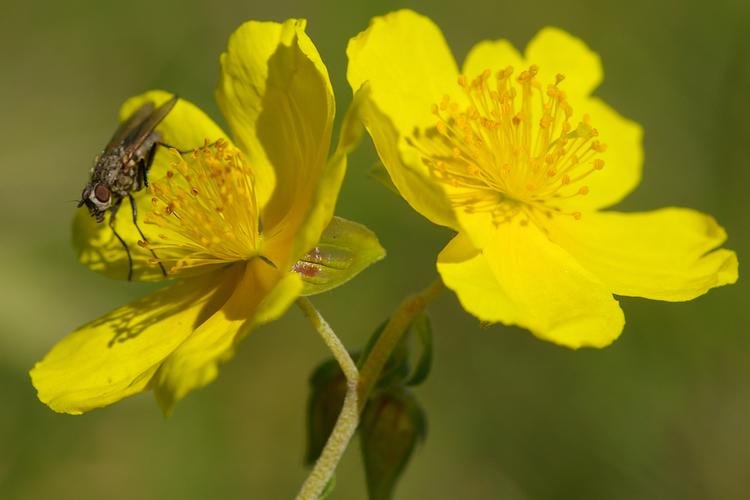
x=344 y=250
x=380 y=174
x=392 y=425
x=422 y=328
x=328 y=388
x=371 y=343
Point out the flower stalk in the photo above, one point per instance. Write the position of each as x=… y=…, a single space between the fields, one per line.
x=392 y=334
x=348 y=420
x=359 y=384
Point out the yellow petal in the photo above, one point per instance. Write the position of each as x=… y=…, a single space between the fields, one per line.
x=493 y=55
x=275 y=93
x=99 y=250
x=404 y=63
x=479 y=226
x=185 y=127
x=262 y=295
x=405 y=167
x=465 y=270
x=557 y=52
x=408 y=64
x=299 y=235
x=623 y=157
x=666 y=254
x=522 y=279
x=115 y=356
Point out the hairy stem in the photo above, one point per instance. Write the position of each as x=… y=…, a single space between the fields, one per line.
x=348 y=420
x=359 y=383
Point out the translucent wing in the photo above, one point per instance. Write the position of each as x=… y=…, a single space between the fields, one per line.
x=140 y=125
x=133 y=122
x=135 y=138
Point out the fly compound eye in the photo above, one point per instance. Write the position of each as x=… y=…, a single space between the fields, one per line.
x=102 y=193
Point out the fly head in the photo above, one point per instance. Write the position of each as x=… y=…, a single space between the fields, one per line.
x=98 y=199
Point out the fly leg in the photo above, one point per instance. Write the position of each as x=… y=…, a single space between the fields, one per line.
x=134 y=209
x=145 y=165
x=182 y=152
x=169 y=146
x=112 y=214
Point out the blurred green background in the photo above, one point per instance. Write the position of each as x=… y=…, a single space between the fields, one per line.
x=661 y=414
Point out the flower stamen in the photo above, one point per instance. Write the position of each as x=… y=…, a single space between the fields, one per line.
x=206 y=208
x=512 y=147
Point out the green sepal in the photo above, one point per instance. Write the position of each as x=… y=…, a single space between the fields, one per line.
x=398 y=369
x=374 y=336
x=392 y=425
x=344 y=250
x=421 y=328
x=327 y=391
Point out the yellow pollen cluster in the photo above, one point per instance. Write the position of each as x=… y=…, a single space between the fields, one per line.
x=511 y=147
x=205 y=209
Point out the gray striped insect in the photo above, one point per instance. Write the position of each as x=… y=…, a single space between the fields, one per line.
x=121 y=169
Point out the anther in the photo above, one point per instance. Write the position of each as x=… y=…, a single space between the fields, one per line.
x=599 y=147
x=510 y=158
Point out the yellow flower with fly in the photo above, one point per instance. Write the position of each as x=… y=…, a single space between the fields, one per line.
x=229 y=218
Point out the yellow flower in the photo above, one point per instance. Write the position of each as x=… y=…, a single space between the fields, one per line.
x=517 y=156
x=230 y=218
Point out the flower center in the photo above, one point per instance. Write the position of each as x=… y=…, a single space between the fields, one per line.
x=512 y=148
x=206 y=209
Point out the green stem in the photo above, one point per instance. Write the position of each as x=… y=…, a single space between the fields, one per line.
x=348 y=420
x=391 y=336
x=359 y=383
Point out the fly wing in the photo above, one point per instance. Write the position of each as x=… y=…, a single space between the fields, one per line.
x=127 y=127
x=145 y=125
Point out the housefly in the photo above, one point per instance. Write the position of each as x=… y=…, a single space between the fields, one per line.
x=121 y=169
